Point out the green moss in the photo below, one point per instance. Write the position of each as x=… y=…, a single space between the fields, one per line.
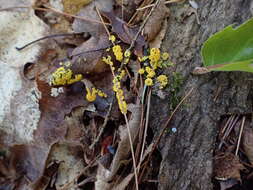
x=175 y=85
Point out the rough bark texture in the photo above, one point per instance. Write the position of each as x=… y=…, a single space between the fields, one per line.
x=187 y=154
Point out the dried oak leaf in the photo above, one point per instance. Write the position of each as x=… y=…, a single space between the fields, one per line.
x=105 y=176
x=73 y=6
x=157 y=41
x=154 y=23
x=71 y=163
x=227 y=166
x=87 y=58
x=247 y=142
x=89 y=12
x=125 y=33
x=53 y=110
x=24 y=164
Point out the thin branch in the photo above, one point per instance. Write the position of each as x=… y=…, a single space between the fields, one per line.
x=146 y=125
x=164 y=129
x=240 y=136
x=103 y=127
x=11 y=8
x=46 y=37
x=69 y=15
x=139 y=31
x=132 y=152
x=102 y=20
x=152 y=5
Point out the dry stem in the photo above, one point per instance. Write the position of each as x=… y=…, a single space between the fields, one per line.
x=132 y=152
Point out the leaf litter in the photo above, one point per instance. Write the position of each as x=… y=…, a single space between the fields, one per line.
x=59 y=154
x=233 y=152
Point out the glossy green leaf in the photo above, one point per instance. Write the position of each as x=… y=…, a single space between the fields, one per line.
x=230 y=49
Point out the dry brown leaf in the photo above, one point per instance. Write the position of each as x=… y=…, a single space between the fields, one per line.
x=73 y=6
x=19 y=111
x=154 y=23
x=124 y=32
x=53 y=110
x=104 y=176
x=124 y=183
x=157 y=41
x=225 y=185
x=247 y=142
x=24 y=164
x=89 y=12
x=123 y=149
x=87 y=58
x=227 y=166
x=70 y=158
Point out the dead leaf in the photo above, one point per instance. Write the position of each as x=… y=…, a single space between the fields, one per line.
x=87 y=58
x=19 y=111
x=154 y=23
x=104 y=176
x=157 y=41
x=53 y=110
x=70 y=159
x=73 y=6
x=125 y=33
x=225 y=185
x=89 y=12
x=247 y=142
x=24 y=164
x=227 y=166
x=124 y=183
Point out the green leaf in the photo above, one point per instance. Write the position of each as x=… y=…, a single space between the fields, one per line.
x=230 y=49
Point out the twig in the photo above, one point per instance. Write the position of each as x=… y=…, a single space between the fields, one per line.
x=55 y=11
x=132 y=152
x=169 y=119
x=139 y=31
x=102 y=20
x=87 y=180
x=152 y=5
x=240 y=136
x=227 y=132
x=122 y=9
x=45 y=37
x=69 y=15
x=143 y=24
x=230 y=119
x=11 y=8
x=164 y=129
x=103 y=127
x=146 y=125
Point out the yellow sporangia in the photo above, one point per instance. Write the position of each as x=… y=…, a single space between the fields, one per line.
x=119 y=94
x=151 y=74
x=141 y=71
x=144 y=58
x=91 y=95
x=154 y=55
x=108 y=60
x=163 y=80
x=165 y=56
x=127 y=53
x=149 y=82
x=112 y=38
x=117 y=51
x=63 y=76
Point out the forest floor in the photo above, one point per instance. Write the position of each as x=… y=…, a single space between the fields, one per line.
x=89 y=92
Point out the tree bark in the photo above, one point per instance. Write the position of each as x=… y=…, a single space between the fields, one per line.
x=187 y=154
